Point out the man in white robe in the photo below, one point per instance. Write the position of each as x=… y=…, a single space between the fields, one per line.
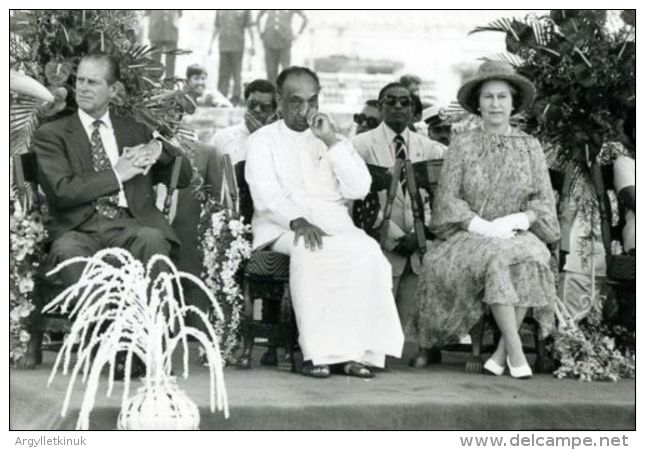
x=301 y=178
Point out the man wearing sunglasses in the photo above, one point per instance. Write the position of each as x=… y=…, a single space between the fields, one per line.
x=369 y=118
x=260 y=102
x=382 y=146
x=301 y=175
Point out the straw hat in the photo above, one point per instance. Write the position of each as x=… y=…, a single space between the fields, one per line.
x=496 y=70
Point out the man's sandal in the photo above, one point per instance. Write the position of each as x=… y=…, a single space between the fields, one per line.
x=318 y=371
x=354 y=369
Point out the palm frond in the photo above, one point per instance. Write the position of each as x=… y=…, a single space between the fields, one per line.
x=510 y=58
x=503 y=25
x=541 y=30
x=23 y=120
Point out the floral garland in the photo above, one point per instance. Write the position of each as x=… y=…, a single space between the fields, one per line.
x=589 y=352
x=225 y=243
x=26 y=236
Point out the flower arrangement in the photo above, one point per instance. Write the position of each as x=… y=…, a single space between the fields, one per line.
x=225 y=245
x=120 y=305
x=586 y=349
x=26 y=236
x=589 y=352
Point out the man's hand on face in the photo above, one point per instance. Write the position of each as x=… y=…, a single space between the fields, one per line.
x=322 y=128
x=311 y=234
x=252 y=123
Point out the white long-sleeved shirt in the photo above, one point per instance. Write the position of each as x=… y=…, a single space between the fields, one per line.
x=292 y=174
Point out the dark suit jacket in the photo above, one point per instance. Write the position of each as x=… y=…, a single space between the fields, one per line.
x=208 y=163
x=72 y=187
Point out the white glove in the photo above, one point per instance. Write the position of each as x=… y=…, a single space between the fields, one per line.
x=490 y=229
x=518 y=221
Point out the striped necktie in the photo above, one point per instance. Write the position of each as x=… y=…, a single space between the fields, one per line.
x=107 y=205
x=400 y=153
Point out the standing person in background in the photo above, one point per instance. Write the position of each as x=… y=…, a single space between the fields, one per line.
x=277 y=37
x=230 y=26
x=411 y=82
x=163 y=33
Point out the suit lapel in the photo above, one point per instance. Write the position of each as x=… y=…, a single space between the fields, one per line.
x=120 y=131
x=382 y=150
x=79 y=142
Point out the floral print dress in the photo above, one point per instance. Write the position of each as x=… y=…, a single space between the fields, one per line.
x=490 y=176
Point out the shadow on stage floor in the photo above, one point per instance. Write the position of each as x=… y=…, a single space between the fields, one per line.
x=439 y=397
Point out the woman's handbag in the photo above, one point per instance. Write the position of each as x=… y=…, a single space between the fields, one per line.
x=621 y=268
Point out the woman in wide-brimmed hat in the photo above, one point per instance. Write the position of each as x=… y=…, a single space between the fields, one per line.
x=493 y=214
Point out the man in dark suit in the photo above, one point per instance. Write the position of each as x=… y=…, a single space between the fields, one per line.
x=98 y=172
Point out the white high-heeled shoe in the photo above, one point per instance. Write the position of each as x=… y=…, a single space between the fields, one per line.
x=523 y=372
x=492 y=368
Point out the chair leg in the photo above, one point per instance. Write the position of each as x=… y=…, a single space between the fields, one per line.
x=542 y=363
x=475 y=363
x=288 y=361
x=34 y=353
x=246 y=360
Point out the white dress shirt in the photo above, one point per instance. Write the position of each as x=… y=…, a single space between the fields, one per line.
x=232 y=141
x=109 y=144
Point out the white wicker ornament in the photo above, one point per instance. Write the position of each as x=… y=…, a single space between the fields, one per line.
x=159 y=406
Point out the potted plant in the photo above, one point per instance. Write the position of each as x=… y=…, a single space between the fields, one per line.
x=120 y=305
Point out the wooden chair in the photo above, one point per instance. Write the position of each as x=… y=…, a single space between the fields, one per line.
x=620 y=307
x=265 y=276
x=46 y=288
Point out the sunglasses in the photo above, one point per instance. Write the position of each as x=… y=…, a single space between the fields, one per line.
x=392 y=101
x=264 y=107
x=372 y=122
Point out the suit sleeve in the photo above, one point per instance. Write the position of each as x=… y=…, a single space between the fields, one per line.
x=64 y=188
x=162 y=170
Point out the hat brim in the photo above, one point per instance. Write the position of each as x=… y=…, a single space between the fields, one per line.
x=525 y=89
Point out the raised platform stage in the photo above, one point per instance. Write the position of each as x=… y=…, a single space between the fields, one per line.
x=400 y=398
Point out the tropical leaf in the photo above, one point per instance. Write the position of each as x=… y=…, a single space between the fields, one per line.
x=512 y=59
x=23 y=120
x=503 y=25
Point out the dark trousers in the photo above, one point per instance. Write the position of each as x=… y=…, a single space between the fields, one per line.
x=274 y=57
x=230 y=66
x=170 y=59
x=99 y=232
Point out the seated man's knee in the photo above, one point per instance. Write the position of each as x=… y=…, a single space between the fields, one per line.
x=149 y=241
x=72 y=244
